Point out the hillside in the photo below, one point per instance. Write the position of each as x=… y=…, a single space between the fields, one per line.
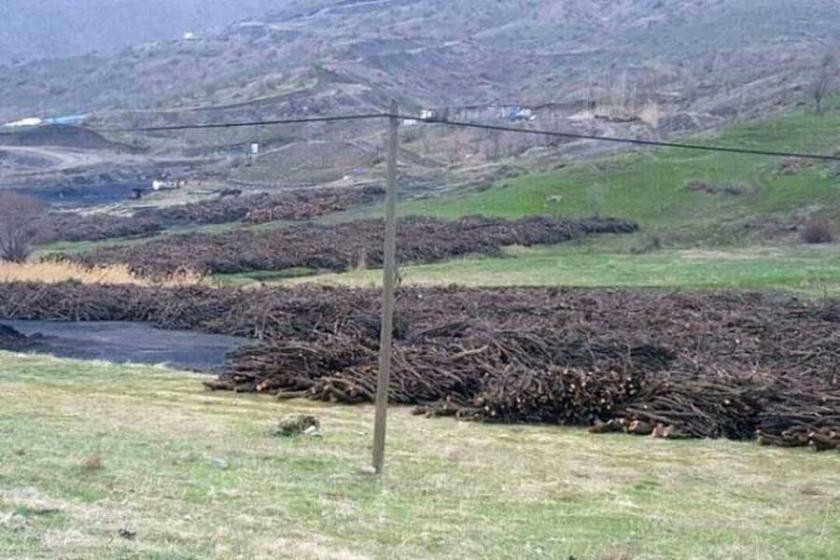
x=442 y=53
x=635 y=68
x=708 y=220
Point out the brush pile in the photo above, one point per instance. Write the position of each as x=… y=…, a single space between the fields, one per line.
x=739 y=366
x=261 y=208
x=312 y=203
x=256 y=209
x=343 y=246
x=66 y=226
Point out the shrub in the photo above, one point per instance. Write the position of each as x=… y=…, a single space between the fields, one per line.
x=18 y=218
x=816 y=232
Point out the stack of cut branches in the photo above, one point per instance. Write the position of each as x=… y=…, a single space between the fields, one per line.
x=342 y=246
x=256 y=209
x=740 y=366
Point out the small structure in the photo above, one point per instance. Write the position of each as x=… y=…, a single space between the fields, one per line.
x=432 y=115
x=189 y=36
x=67 y=119
x=161 y=185
x=516 y=113
x=29 y=121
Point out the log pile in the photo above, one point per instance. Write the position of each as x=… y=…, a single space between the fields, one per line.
x=739 y=366
x=343 y=246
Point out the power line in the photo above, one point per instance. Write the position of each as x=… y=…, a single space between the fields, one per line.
x=240 y=124
x=300 y=120
x=616 y=140
x=472 y=125
x=482 y=126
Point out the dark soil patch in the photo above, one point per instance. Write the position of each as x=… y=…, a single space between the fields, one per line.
x=730 y=189
x=12 y=339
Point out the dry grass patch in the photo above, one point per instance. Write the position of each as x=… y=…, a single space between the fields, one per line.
x=57 y=272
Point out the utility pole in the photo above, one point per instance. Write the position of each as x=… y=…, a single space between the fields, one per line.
x=388 y=287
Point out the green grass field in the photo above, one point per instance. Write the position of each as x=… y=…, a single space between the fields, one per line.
x=650 y=187
x=708 y=240
x=197 y=475
x=811 y=271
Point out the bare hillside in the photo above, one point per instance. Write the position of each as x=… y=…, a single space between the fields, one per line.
x=640 y=68
x=431 y=51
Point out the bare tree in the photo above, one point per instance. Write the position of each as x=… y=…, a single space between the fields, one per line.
x=823 y=80
x=494 y=147
x=19 y=217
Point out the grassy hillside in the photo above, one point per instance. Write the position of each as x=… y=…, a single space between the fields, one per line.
x=180 y=473
x=746 y=202
x=651 y=186
x=742 y=234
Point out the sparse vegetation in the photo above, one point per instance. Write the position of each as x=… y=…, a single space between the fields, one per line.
x=815 y=232
x=19 y=215
x=824 y=80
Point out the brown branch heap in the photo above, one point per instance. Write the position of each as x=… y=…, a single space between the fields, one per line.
x=739 y=366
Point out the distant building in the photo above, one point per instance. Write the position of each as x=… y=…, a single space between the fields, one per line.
x=516 y=113
x=189 y=36
x=30 y=121
x=37 y=121
x=434 y=114
x=67 y=119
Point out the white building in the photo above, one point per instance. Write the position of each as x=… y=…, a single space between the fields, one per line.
x=31 y=121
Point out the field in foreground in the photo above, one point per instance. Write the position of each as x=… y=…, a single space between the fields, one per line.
x=197 y=475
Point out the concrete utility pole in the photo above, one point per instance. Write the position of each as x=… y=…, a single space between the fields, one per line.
x=388 y=286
